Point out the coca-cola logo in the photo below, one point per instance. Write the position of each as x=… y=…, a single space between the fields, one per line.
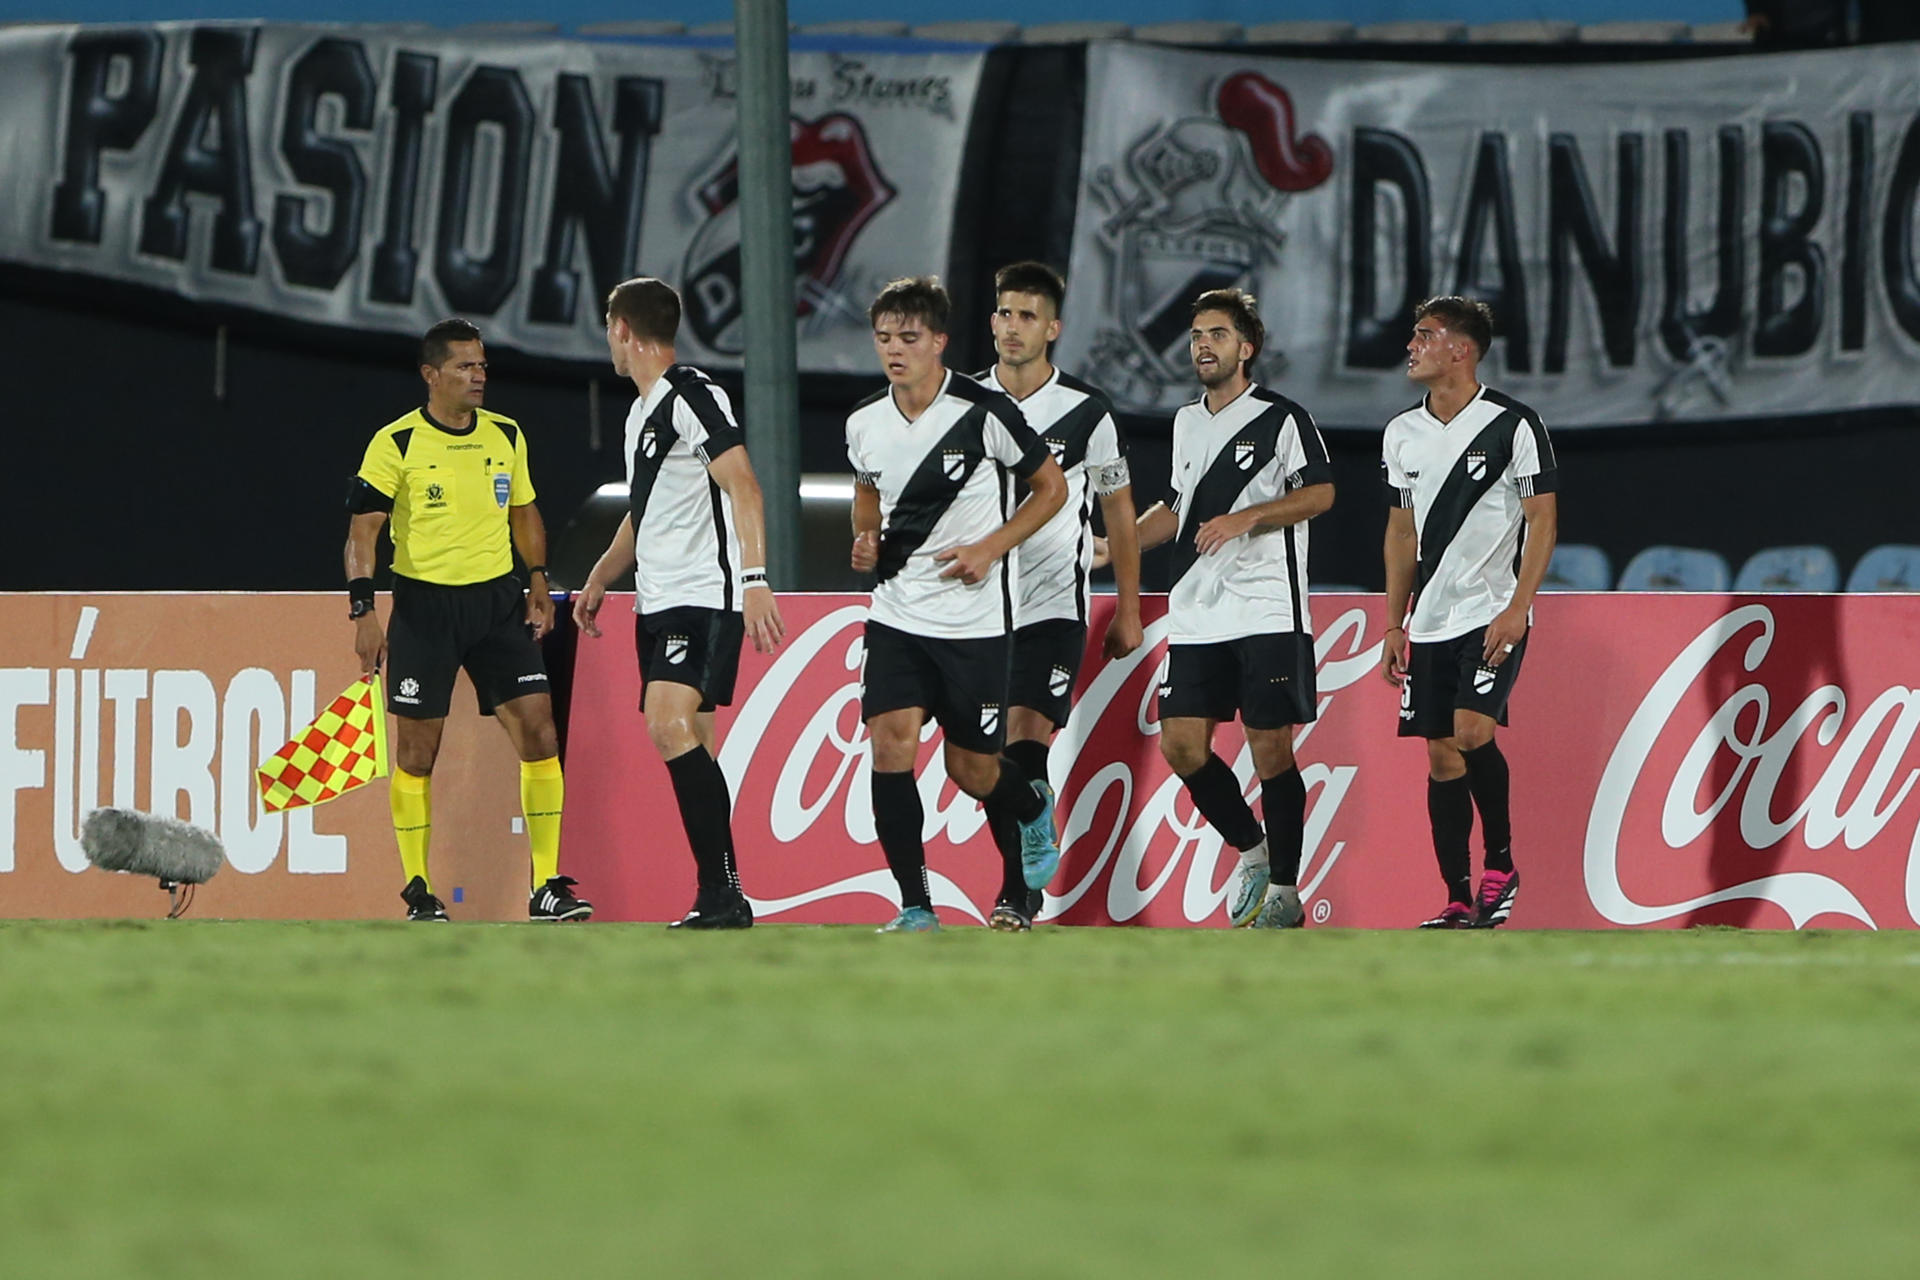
x=797 y=760
x=1779 y=784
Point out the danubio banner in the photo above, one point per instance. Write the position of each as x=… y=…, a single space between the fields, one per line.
x=1676 y=760
x=1659 y=241
x=372 y=178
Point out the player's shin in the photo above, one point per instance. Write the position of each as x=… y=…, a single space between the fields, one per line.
x=700 y=787
x=1488 y=780
x=897 y=820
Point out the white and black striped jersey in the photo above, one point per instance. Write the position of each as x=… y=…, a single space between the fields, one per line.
x=1464 y=480
x=683 y=533
x=1257 y=449
x=944 y=481
x=1075 y=422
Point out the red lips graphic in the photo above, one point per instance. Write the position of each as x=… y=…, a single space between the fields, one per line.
x=1261 y=109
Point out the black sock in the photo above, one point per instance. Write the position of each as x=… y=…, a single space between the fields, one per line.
x=1216 y=794
x=706 y=812
x=1013 y=795
x=1006 y=838
x=1450 y=810
x=1487 y=776
x=897 y=818
x=1030 y=755
x=1283 y=798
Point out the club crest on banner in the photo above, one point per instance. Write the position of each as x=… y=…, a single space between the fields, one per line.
x=1198 y=208
x=837 y=189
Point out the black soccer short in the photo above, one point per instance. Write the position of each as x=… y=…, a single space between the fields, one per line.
x=1268 y=680
x=436 y=630
x=960 y=683
x=1445 y=674
x=696 y=647
x=1046 y=662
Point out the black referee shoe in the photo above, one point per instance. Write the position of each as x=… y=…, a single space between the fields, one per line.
x=717 y=912
x=555 y=901
x=422 y=905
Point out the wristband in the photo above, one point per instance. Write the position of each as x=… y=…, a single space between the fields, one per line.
x=753 y=578
x=536 y=568
x=359 y=597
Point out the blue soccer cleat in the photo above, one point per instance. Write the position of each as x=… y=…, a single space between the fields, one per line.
x=1039 y=854
x=912 y=920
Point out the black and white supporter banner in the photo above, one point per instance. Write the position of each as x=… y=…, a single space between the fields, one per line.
x=377 y=178
x=1719 y=238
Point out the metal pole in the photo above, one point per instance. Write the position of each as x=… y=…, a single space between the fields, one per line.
x=766 y=277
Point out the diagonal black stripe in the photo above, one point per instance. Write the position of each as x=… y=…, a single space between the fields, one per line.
x=1074 y=430
x=930 y=490
x=1224 y=481
x=658 y=426
x=1459 y=493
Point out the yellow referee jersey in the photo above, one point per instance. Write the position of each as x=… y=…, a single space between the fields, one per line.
x=451 y=490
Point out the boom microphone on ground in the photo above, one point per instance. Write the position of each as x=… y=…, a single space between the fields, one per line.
x=177 y=854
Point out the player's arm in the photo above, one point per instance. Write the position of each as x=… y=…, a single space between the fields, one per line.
x=1542 y=514
x=1302 y=504
x=1401 y=550
x=734 y=474
x=530 y=540
x=363 y=536
x=866 y=527
x=1047 y=486
x=1124 y=633
x=1156 y=525
x=616 y=562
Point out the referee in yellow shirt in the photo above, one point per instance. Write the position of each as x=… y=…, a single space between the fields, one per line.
x=453 y=479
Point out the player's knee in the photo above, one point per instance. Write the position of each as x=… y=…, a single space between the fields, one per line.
x=1272 y=753
x=672 y=735
x=414 y=760
x=1443 y=759
x=1472 y=735
x=972 y=772
x=1181 y=756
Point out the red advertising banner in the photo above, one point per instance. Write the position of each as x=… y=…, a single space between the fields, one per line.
x=167 y=703
x=1676 y=759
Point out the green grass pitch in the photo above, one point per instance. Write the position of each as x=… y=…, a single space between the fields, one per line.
x=205 y=1099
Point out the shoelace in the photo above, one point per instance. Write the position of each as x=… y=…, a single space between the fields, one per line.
x=1491 y=891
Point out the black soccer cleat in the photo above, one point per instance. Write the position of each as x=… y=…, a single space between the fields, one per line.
x=729 y=911
x=556 y=901
x=1010 y=916
x=421 y=904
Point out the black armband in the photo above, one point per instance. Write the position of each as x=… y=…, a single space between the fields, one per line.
x=359 y=597
x=363 y=498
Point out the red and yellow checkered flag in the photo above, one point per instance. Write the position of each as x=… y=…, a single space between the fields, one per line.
x=345 y=747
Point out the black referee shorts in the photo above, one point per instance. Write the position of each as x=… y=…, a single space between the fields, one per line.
x=436 y=630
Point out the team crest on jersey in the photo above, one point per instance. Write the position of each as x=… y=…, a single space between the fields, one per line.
x=1243 y=454
x=837 y=189
x=990 y=718
x=1058 y=448
x=650 y=442
x=1197 y=204
x=1476 y=464
x=1483 y=678
x=675 y=650
x=502 y=489
x=953 y=463
x=1058 y=681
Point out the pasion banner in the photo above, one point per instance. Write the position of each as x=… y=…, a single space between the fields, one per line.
x=376 y=178
x=1677 y=759
x=1659 y=241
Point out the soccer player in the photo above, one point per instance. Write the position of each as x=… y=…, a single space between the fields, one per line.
x=1249 y=471
x=702 y=583
x=931 y=456
x=1075 y=421
x=1471 y=477
x=453 y=478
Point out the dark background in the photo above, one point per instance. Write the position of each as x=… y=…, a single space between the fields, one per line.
x=145 y=465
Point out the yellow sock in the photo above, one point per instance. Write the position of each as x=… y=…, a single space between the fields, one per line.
x=542 y=792
x=411 y=799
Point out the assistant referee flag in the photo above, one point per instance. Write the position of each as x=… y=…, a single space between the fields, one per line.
x=345 y=747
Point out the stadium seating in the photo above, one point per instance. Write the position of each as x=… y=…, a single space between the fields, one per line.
x=1892 y=567
x=1413 y=32
x=1634 y=33
x=1523 y=31
x=1299 y=32
x=1578 y=567
x=1789 y=569
x=1189 y=32
x=1676 y=569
